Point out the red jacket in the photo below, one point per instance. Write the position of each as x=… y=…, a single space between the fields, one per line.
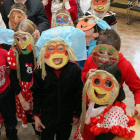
x=129 y=75
x=72 y=10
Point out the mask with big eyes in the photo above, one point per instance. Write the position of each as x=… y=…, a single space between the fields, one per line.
x=56 y=56
x=103 y=88
x=62 y=20
x=105 y=54
x=15 y=17
x=99 y=5
x=24 y=42
x=87 y=23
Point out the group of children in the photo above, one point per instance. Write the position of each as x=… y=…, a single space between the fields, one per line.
x=46 y=83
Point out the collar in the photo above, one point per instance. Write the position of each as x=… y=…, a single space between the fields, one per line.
x=23 y=2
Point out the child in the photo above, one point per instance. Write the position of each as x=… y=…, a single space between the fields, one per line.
x=17 y=13
x=106 y=116
x=7 y=100
x=91 y=25
x=129 y=75
x=54 y=5
x=57 y=85
x=22 y=61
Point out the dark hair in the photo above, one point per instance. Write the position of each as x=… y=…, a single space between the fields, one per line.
x=116 y=72
x=19 y=6
x=109 y=37
x=60 y=0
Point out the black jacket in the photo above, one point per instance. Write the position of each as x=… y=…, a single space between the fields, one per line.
x=58 y=97
x=35 y=12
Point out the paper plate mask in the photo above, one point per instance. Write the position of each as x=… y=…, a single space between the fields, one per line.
x=103 y=88
x=104 y=54
x=56 y=55
x=24 y=42
x=62 y=19
x=87 y=22
x=15 y=16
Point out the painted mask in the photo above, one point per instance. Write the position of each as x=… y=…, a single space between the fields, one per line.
x=56 y=55
x=105 y=54
x=24 y=42
x=99 y=5
x=15 y=17
x=103 y=88
x=62 y=19
x=87 y=23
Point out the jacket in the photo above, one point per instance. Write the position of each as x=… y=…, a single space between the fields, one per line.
x=57 y=97
x=35 y=12
x=129 y=75
x=72 y=10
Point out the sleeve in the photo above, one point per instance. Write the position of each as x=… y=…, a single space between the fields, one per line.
x=15 y=81
x=85 y=71
x=41 y=18
x=133 y=82
x=78 y=94
x=37 y=89
x=73 y=9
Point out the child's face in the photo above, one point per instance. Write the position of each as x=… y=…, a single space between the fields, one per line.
x=23 y=42
x=89 y=33
x=56 y=55
x=103 y=88
x=15 y=17
x=105 y=54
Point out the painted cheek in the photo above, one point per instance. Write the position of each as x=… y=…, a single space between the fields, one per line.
x=47 y=56
x=66 y=53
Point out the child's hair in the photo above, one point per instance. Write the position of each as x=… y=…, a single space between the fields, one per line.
x=19 y=6
x=109 y=37
x=115 y=71
x=41 y=61
x=63 y=11
x=28 y=26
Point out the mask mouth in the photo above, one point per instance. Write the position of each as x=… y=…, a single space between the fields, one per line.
x=100 y=7
x=99 y=96
x=103 y=61
x=24 y=48
x=57 y=61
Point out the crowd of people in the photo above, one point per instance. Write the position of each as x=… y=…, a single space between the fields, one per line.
x=61 y=65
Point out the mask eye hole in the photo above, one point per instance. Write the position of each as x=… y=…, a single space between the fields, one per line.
x=96 y=1
x=65 y=19
x=51 y=49
x=110 y=53
x=103 y=0
x=97 y=82
x=108 y=83
x=58 y=19
x=60 y=48
x=101 y=51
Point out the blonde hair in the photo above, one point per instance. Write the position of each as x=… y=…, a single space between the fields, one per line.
x=41 y=62
x=28 y=27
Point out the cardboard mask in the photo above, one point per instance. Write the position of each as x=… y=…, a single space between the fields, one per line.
x=87 y=22
x=15 y=16
x=104 y=54
x=103 y=88
x=56 y=55
x=24 y=42
x=62 y=19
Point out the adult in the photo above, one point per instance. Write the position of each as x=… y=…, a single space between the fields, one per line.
x=35 y=12
x=54 y=5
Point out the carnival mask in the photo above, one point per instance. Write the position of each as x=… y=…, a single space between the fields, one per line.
x=105 y=54
x=103 y=88
x=99 y=5
x=62 y=19
x=24 y=42
x=87 y=23
x=56 y=55
x=15 y=17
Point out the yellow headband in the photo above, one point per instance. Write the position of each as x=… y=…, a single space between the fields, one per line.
x=16 y=10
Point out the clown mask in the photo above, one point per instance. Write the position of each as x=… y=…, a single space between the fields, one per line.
x=103 y=88
x=62 y=19
x=15 y=17
x=87 y=23
x=56 y=55
x=105 y=54
x=24 y=42
x=99 y=5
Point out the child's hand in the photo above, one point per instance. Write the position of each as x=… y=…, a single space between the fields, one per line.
x=90 y=71
x=136 y=111
x=38 y=124
x=26 y=106
x=75 y=121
